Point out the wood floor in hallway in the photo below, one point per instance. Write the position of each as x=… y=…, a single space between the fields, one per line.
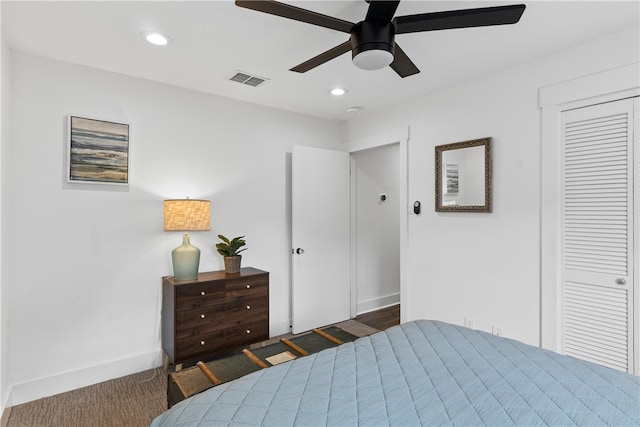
x=381 y=319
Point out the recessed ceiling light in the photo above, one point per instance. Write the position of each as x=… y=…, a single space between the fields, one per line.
x=354 y=109
x=157 y=39
x=338 y=91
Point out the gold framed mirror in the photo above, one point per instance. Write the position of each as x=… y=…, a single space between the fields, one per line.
x=463 y=176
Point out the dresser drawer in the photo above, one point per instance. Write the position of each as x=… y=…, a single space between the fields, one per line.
x=194 y=318
x=245 y=307
x=235 y=322
x=247 y=332
x=200 y=343
x=193 y=297
x=247 y=285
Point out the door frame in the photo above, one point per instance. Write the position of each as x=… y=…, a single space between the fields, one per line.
x=598 y=88
x=394 y=136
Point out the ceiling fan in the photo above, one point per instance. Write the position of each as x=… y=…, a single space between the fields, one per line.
x=372 y=42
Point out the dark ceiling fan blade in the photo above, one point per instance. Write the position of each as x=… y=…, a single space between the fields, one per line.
x=323 y=57
x=381 y=10
x=297 y=14
x=402 y=64
x=485 y=16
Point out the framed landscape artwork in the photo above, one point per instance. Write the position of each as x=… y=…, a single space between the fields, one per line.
x=98 y=152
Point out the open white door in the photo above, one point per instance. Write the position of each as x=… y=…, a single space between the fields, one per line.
x=320 y=235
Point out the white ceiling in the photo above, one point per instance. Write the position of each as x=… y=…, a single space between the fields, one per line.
x=214 y=39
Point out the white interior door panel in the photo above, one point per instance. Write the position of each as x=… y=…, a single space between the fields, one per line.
x=320 y=237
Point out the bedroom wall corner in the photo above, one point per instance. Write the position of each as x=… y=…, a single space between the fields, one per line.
x=4 y=139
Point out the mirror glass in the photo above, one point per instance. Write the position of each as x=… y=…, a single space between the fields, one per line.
x=463 y=176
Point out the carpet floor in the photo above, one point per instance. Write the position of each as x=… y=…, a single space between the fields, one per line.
x=131 y=401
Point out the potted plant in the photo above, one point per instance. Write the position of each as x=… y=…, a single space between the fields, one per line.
x=230 y=249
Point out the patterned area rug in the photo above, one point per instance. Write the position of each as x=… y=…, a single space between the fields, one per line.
x=194 y=380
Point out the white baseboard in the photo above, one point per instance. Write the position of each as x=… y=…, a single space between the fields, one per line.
x=377 y=303
x=71 y=380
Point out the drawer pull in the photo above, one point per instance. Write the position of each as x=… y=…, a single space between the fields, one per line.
x=201 y=342
x=248 y=331
x=248 y=286
x=202 y=316
x=202 y=293
x=248 y=307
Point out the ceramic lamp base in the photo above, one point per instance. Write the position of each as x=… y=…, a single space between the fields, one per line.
x=186 y=260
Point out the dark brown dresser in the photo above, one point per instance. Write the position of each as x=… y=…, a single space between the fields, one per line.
x=213 y=313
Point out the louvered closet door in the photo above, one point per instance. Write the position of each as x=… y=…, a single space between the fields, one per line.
x=597 y=241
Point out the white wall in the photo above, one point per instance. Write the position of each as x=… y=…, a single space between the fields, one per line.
x=486 y=265
x=378 y=227
x=4 y=138
x=83 y=263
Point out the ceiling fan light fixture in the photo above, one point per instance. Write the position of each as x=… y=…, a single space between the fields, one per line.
x=373 y=59
x=372 y=44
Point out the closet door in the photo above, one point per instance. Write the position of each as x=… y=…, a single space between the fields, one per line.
x=597 y=234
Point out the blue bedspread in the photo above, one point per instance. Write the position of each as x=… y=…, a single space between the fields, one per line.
x=420 y=373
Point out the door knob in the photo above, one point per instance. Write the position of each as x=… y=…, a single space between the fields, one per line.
x=621 y=281
x=299 y=251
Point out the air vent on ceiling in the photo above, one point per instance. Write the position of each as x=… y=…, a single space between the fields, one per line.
x=248 y=79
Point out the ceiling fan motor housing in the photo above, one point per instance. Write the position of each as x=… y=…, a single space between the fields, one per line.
x=372 y=38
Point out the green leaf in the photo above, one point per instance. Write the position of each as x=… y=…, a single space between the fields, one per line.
x=230 y=247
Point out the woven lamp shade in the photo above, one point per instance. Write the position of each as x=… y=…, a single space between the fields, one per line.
x=187 y=215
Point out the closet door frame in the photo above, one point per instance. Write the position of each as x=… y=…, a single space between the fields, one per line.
x=598 y=88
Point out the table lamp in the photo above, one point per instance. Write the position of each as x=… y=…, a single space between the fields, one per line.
x=186 y=215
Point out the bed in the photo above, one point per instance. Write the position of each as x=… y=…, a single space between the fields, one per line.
x=420 y=373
